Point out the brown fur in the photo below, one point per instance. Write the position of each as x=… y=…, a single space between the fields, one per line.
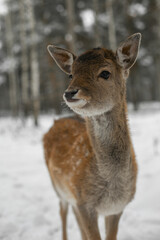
x=92 y=164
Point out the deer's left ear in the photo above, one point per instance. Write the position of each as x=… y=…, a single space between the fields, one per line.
x=62 y=57
x=127 y=52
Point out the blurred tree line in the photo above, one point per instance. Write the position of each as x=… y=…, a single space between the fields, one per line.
x=31 y=83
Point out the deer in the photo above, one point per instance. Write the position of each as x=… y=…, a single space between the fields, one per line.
x=90 y=156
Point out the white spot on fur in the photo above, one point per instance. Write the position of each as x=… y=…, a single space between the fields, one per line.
x=58 y=170
x=78 y=162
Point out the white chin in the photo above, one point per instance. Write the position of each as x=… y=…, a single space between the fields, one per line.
x=89 y=112
x=77 y=104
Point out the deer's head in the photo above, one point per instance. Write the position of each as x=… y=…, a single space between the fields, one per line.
x=98 y=76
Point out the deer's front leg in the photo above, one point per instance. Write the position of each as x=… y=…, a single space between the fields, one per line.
x=89 y=222
x=111 y=224
x=83 y=234
x=63 y=214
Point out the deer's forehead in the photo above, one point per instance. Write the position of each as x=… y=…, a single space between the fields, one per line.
x=90 y=56
x=96 y=54
x=94 y=59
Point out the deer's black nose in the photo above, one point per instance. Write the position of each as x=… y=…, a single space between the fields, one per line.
x=70 y=94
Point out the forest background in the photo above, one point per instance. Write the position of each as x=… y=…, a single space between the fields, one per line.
x=31 y=83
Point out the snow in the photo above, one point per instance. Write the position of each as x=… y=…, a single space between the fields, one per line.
x=28 y=205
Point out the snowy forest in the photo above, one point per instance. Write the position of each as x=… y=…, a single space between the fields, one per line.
x=30 y=83
x=31 y=90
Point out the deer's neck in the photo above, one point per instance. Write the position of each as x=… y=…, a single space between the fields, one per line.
x=109 y=136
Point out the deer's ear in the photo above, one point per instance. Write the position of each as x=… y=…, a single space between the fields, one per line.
x=62 y=57
x=128 y=50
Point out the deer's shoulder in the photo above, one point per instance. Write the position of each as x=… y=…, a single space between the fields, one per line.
x=67 y=136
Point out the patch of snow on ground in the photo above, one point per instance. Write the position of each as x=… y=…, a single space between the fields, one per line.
x=28 y=205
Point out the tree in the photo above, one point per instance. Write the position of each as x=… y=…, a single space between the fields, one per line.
x=157 y=58
x=134 y=82
x=111 y=24
x=71 y=38
x=11 y=70
x=35 y=77
x=97 y=36
x=24 y=58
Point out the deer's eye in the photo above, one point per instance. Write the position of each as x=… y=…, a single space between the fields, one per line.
x=70 y=76
x=104 y=74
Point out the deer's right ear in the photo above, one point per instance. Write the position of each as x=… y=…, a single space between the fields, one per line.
x=62 y=57
x=128 y=50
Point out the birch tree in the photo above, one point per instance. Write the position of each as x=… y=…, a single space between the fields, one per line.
x=71 y=37
x=11 y=71
x=24 y=57
x=97 y=36
x=157 y=58
x=111 y=24
x=35 y=78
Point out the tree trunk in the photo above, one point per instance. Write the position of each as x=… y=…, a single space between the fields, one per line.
x=71 y=37
x=24 y=58
x=98 y=41
x=111 y=25
x=157 y=61
x=35 y=78
x=11 y=72
x=157 y=82
x=133 y=80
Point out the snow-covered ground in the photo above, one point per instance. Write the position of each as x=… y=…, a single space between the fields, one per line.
x=28 y=205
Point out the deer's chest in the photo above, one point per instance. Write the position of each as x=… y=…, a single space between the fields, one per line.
x=115 y=197
x=111 y=207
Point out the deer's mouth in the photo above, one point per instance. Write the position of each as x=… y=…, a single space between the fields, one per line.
x=72 y=100
x=75 y=103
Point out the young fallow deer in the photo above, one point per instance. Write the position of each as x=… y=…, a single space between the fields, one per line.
x=92 y=162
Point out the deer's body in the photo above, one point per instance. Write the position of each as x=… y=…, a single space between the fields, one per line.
x=92 y=163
